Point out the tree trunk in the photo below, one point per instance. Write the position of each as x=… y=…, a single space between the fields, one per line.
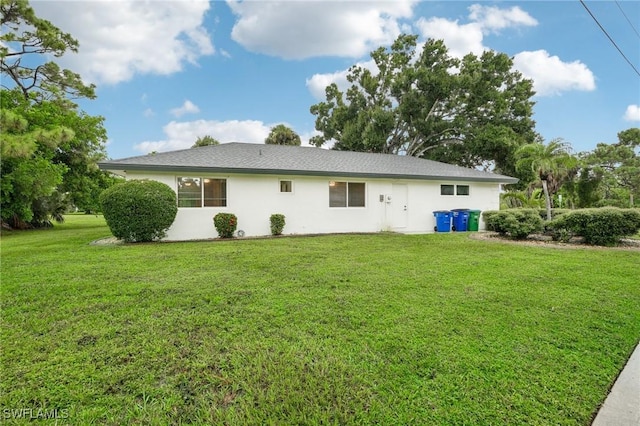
x=631 y=199
x=547 y=198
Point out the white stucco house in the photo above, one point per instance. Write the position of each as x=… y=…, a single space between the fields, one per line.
x=318 y=190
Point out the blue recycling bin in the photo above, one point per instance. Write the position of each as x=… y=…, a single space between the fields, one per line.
x=443 y=220
x=460 y=219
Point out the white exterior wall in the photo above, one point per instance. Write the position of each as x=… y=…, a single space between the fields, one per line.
x=254 y=198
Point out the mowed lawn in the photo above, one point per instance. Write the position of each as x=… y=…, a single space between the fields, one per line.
x=341 y=329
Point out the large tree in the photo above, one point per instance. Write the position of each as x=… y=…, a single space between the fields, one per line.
x=422 y=102
x=617 y=167
x=551 y=163
x=49 y=147
x=282 y=135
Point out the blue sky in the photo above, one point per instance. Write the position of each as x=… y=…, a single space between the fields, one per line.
x=170 y=71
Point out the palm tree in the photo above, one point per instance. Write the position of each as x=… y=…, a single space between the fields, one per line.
x=530 y=199
x=551 y=163
x=282 y=135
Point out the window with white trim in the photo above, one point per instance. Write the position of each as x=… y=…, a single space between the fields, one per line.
x=346 y=194
x=202 y=192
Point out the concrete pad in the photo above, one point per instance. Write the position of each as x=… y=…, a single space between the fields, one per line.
x=622 y=406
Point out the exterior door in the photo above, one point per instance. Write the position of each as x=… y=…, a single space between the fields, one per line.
x=399 y=206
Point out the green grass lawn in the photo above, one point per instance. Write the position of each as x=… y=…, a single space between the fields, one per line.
x=341 y=329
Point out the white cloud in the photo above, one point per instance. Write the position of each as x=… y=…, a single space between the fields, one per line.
x=187 y=107
x=551 y=75
x=460 y=39
x=182 y=135
x=492 y=18
x=632 y=113
x=148 y=113
x=119 y=39
x=319 y=82
x=301 y=29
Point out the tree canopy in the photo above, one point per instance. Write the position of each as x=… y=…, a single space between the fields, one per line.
x=420 y=101
x=205 y=141
x=24 y=34
x=614 y=169
x=49 y=147
x=282 y=135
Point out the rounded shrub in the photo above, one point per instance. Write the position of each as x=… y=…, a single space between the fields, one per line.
x=277 y=223
x=225 y=224
x=139 y=210
x=517 y=223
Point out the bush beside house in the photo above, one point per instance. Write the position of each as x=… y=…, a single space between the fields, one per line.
x=225 y=224
x=139 y=210
x=516 y=223
x=277 y=223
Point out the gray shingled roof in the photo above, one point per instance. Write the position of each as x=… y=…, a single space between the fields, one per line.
x=293 y=160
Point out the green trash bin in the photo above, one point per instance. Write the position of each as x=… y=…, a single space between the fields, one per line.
x=474 y=220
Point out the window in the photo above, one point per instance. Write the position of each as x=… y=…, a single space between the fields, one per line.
x=462 y=189
x=355 y=194
x=337 y=194
x=193 y=190
x=454 y=189
x=215 y=192
x=346 y=194
x=286 y=186
x=189 y=192
x=446 y=190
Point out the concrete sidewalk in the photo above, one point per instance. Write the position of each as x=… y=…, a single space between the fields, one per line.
x=622 y=406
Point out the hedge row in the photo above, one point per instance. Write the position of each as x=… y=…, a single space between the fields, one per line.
x=603 y=226
x=554 y=213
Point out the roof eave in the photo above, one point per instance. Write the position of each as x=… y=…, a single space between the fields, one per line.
x=123 y=168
